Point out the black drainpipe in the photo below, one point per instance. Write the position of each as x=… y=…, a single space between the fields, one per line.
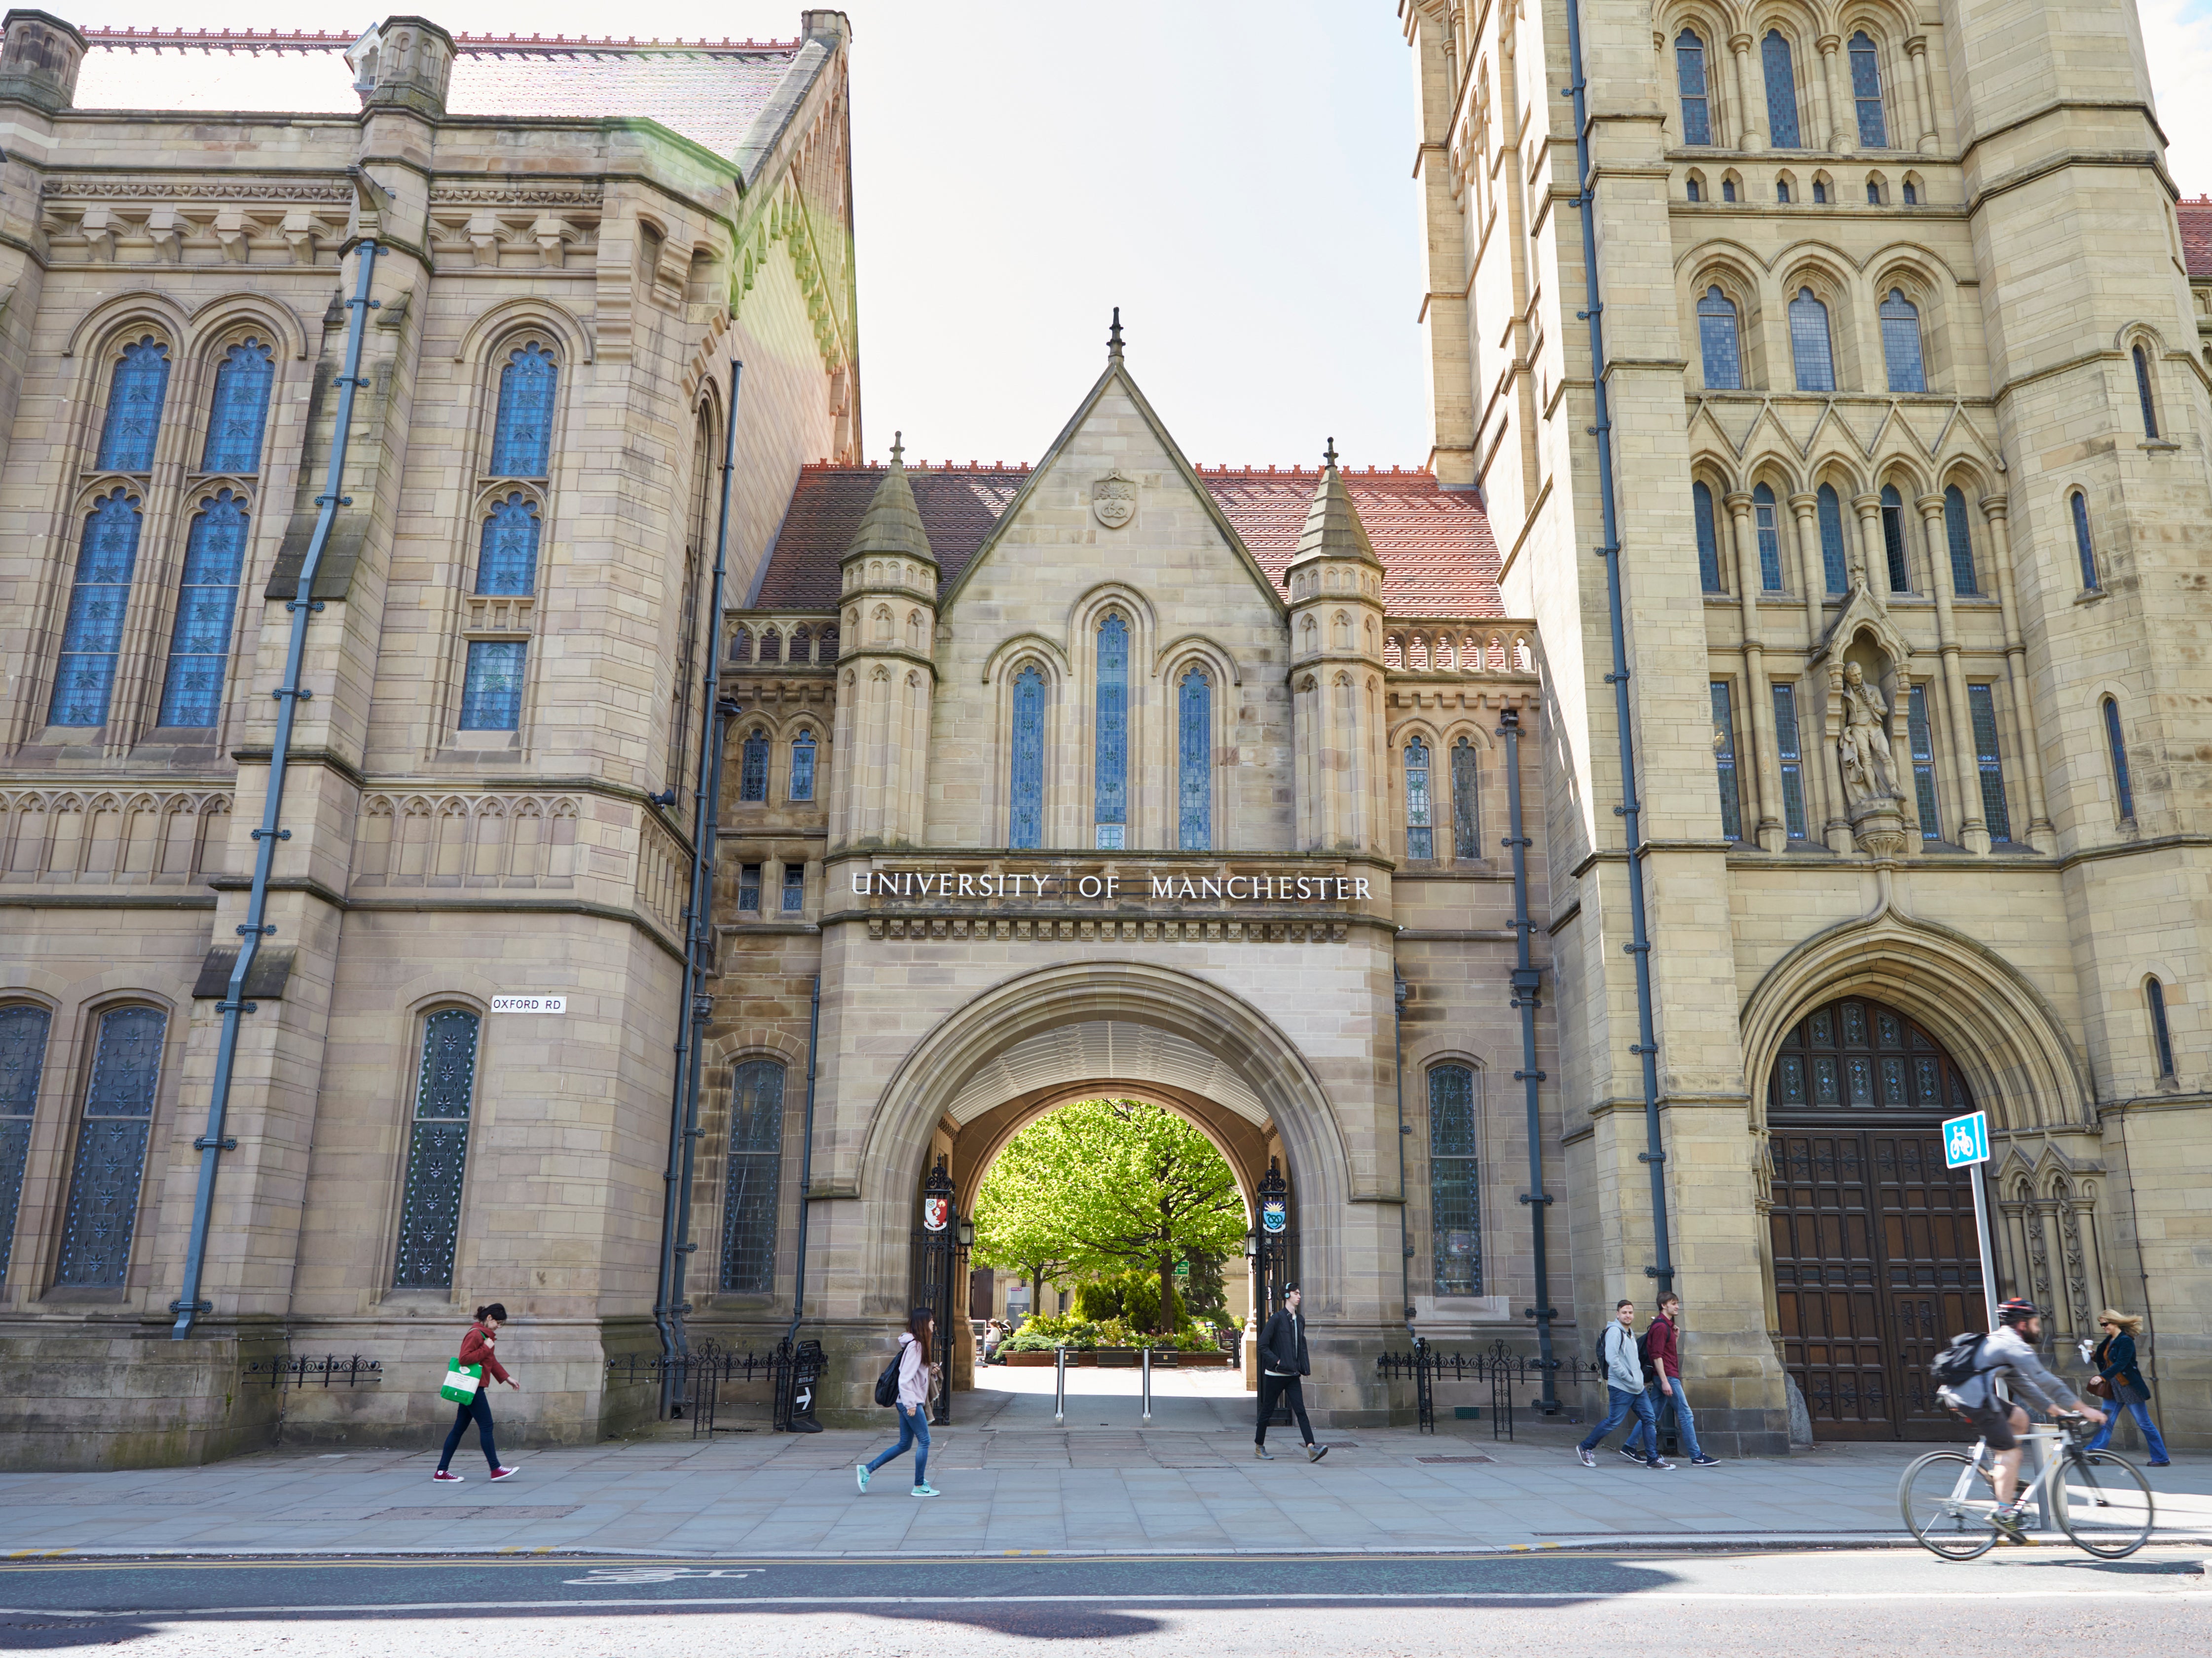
x=212 y=1145
x=1525 y=979
x=1639 y=945
x=806 y=1161
x=669 y=1305
x=1398 y=995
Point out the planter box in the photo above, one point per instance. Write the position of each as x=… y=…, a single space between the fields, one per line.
x=1028 y=1358
x=1117 y=1358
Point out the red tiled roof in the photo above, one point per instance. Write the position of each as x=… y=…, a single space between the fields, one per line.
x=2195 y=234
x=1437 y=555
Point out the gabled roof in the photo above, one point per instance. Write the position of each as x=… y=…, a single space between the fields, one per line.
x=1437 y=555
x=2196 y=219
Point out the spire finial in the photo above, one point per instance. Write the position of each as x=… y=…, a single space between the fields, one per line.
x=898 y=446
x=1114 y=336
x=1329 y=453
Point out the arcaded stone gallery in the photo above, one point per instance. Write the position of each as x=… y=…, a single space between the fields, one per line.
x=1600 y=850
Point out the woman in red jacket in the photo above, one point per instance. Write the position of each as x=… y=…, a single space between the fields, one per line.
x=477 y=1348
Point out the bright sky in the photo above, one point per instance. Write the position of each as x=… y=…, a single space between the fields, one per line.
x=1235 y=174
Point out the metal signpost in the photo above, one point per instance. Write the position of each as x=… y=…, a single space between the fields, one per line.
x=1966 y=1143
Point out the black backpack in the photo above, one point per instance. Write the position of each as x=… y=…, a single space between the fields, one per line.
x=1643 y=1358
x=1960 y=1361
x=887 y=1383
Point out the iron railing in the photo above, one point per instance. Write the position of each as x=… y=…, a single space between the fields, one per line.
x=696 y=1382
x=303 y=1370
x=1499 y=1368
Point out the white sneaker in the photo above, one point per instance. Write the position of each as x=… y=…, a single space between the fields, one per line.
x=1660 y=1465
x=1588 y=1460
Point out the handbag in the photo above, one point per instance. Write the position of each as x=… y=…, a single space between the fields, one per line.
x=2101 y=1387
x=462 y=1382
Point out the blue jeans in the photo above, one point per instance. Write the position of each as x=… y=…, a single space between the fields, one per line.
x=1621 y=1402
x=914 y=1430
x=1686 y=1425
x=479 y=1408
x=2141 y=1412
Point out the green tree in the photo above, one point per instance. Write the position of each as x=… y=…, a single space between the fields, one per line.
x=1013 y=1236
x=1110 y=1184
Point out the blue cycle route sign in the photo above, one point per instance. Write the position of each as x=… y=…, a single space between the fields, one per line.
x=1966 y=1140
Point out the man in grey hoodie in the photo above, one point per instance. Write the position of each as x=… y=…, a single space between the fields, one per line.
x=2009 y=1350
x=1624 y=1388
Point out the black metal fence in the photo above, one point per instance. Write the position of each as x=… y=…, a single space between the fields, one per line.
x=307 y=1370
x=1499 y=1369
x=703 y=1378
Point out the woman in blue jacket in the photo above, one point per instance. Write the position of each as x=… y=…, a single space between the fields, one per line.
x=2114 y=1359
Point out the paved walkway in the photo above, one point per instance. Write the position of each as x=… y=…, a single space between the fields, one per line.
x=1014 y=1482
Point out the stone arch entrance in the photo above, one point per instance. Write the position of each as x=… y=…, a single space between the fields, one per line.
x=1874 y=1252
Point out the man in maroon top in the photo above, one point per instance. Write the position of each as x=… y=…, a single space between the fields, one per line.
x=1662 y=1373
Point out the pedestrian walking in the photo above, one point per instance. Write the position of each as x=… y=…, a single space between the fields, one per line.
x=477 y=1348
x=2114 y=1359
x=1282 y=1363
x=1623 y=1386
x=1662 y=1369
x=917 y=1370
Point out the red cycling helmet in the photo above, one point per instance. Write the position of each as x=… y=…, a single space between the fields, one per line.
x=2017 y=1311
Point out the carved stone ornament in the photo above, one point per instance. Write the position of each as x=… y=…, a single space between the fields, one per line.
x=1113 y=501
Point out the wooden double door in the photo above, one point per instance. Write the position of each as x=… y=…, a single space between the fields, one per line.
x=1876 y=1262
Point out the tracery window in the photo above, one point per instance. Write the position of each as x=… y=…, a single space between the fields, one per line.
x=207 y=601
x=1194 y=761
x=1766 y=523
x=437 y=1152
x=1026 y=761
x=1718 y=341
x=1110 y=741
x=2083 y=547
x=2116 y=745
x=1866 y=93
x=23 y=1026
x=238 y=413
x=92 y=634
x=802 y=766
x=1811 y=352
x=1900 y=344
x=1893 y=539
x=1781 y=90
x=1709 y=545
x=1454 y=1183
x=1466 y=808
x=752 y=768
x=1835 y=567
x=755 y=1167
x=116 y=1122
x=1857 y=1054
x=136 y=387
x=1690 y=78
x=522 y=435
x=1959 y=535
x=1420 y=831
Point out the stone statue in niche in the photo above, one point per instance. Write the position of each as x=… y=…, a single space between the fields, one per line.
x=1870 y=776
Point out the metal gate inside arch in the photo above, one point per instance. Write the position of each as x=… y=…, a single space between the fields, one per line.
x=1876 y=1261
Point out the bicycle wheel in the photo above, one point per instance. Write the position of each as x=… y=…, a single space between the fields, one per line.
x=2104 y=1503
x=1947 y=1506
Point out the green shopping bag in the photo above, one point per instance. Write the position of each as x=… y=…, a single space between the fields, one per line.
x=462 y=1382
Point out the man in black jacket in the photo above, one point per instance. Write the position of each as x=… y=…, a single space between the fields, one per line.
x=1283 y=1361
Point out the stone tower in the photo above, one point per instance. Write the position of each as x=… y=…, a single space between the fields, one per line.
x=889 y=586
x=1336 y=666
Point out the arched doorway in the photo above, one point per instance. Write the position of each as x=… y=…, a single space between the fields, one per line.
x=1876 y=1263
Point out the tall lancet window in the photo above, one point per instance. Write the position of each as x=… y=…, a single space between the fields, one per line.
x=1420 y=814
x=1717 y=342
x=1194 y=761
x=239 y=409
x=1110 y=772
x=1025 y=784
x=1810 y=349
x=136 y=391
x=1866 y=93
x=1467 y=821
x=207 y=599
x=1781 y=90
x=1900 y=344
x=1690 y=77
x=522 y=438
x=1833 y=565
x=92 y=637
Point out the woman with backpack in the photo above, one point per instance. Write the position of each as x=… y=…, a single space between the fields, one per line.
x=2114 y=1359
x=477 y=1348
x=916 y=1371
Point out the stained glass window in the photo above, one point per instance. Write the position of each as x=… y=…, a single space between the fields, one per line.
x=1982 y=701
x=1866 y=1055
x=1454 y=1189
x=2161 y=1038
x=1893 y=539
x=1810 y=348
x=437 y=1152
x=1724 y=761
x=506 y=554
x=1110 y=773
x=1922 y=743
x=491 y=691
x=752 y=769
x=1900 y=344
x=1866 y=93
x=1961 y=538
x=802 y=766
x=2142 y=393
x=1717 y=341
x=207 y=599
x=22 y=1062
x=1194 y=761
x=1420 y=831
x=522 y=439
x=239 y=411
x=111 y=1149
x=134 y=391
x=1025 y=819
x=1466 y=808
x=1763 y=517
x=1690 y=76
x=749 y=1204
x=1834 y=565
x=1793 y=769
x=93 y=635
x=1709 y=545
x=2116 y=743
x=794 y=888
x=2082 y=545
x=1781 y=90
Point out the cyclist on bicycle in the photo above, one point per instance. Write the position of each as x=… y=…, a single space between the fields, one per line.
x=2009 y=1350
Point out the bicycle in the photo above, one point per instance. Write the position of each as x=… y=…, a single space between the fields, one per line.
x=2098 y=1500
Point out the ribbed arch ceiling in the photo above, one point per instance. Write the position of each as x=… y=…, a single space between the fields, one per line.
x=1105 y=1050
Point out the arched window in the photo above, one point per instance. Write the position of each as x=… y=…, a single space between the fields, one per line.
x=1834 y=565
x=1763 y=518
x=1454 y=1182
x=1866 y=93
x=1960 y=535
x=111 y=1149
x=2083 y=546
x=1820 y=192
x=507 y=551
x=1194 y=761
x=1893 y=539
x=1859 y=1054
x=507 y=566
x=1809 y=349
x=1709 y=545
x=1900 y=344
x=1781 y=91
x=1724 y=760
x=437 y=1152
x=771 y=645
x=1911 y=193
x=1692 y=191
x=750 y=1195
x=2115 y=744
x=1719 y=341
x=522 y=438
x=802 y=766
x=1467 y=807
x=2161 y=1038
x=1420 y=828
x=1791 y=758
x=207 y=599
x=1922 y=744
x=1110 y=738
x=92 y=635
x=22 y=1063
x=1026 y=820
x=1989 y=759
x=239 y=411
x=1690 y=76
x=1782 y=192
x=752 y=769
x=1727 y=188
x=136 y=388
x=2143 y=392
